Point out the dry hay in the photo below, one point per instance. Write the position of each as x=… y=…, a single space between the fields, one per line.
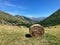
x=36 y=30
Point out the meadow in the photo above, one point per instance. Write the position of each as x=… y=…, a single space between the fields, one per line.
x=14 y=35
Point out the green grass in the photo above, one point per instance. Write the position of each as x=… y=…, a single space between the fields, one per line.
x=13 y=35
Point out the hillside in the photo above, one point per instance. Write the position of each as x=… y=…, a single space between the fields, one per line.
x=6 y=18
x=24 y=19
x=53 y=19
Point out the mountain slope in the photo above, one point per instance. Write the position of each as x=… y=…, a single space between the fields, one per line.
x=24 y=19
x=7 y=18
x=54 y=19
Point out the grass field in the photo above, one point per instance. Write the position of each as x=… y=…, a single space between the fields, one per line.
x=14 y=35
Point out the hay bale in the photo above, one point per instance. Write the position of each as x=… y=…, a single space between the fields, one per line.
x=36 y=30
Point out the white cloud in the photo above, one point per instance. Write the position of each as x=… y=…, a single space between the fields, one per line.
x=11 y=8
x=8 y=4
x=30 y=16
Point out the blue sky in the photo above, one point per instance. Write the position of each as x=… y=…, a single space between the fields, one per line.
x=30 y=8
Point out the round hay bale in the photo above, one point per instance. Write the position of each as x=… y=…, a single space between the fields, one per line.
x=36 y=30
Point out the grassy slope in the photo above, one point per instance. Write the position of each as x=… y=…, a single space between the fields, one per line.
x=13 y=35
x=53 y=19
x=6 y=18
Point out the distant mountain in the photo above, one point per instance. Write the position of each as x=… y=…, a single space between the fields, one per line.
x=6 y=18
x=53 y=19
x=24 y=19
x=37 y=19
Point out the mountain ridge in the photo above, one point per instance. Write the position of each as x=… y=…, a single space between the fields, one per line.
x=8 y=18
x=52 y=20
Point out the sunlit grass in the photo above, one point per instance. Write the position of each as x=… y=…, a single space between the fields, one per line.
x=14 y=35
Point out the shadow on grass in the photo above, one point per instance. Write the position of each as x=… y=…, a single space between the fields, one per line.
x=28 y=36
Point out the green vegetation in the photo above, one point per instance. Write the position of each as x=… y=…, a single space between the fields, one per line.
x=6 y=18
x=52 y=20
x=14 y=35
